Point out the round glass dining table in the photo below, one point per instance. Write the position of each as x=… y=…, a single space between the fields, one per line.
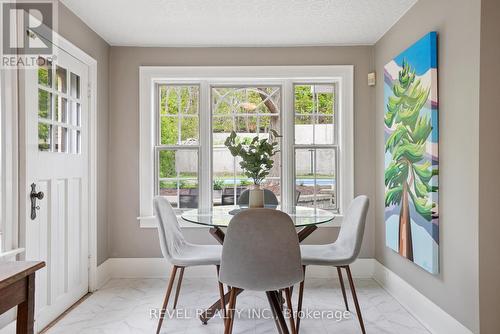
x=220 y=216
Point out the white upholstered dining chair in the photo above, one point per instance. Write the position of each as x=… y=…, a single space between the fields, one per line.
x=341 y=253
x=177 y=251
x=261 y=253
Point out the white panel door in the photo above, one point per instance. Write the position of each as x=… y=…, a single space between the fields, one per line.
x=54 y=159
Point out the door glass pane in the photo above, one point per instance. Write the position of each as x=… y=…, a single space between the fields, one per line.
x=61 y=79
x=61 y=109
x=44 y=136
x=44 y=104
x=75 y=85
x=44 y=72
x=60 y=139
x=75 y=142
x=75 y=113
x=78 y=142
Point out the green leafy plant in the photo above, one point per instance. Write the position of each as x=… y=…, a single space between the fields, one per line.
x=185 y=184
x=245 y=183
x=408 y=176
x=256 y=157
x=218 y=184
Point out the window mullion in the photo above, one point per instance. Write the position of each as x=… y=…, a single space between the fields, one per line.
x=288 y=139
x=205 y=145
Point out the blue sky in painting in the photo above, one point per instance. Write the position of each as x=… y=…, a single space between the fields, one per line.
x=419 y=54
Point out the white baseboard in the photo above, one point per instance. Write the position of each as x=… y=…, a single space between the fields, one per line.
x=434 y=318
x=104 y=273
x=361 y=268
x=160 y=268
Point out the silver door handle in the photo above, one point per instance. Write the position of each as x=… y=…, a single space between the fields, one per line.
x=34 y=195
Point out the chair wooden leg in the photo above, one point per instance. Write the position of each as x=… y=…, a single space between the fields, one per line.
x=299 y=304
x=342 y=286
x=167 y=297
x=274 y=300
x=178 y=289
x=221 y=294
x=274 y=312
x=288 y=295
x=355 y=297
x=230 y=319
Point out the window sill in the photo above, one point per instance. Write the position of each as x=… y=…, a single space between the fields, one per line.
x=150 y=222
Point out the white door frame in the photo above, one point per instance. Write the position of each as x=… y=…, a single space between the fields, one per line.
x=79 y=54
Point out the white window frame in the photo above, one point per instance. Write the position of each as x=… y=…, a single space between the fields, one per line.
x=286 y=77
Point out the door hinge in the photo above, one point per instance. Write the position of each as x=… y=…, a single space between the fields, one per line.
x=89 y=90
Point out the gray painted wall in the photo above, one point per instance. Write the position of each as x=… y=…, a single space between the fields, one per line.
x=455 y=289
x=127 y=239
x=74 y=30
x=489 y=160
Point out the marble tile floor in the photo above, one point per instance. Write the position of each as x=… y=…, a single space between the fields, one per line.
x=125 y=305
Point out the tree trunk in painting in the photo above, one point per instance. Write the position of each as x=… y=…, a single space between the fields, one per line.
x=405 y=241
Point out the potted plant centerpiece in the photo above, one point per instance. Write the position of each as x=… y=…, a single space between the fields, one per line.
x=256 y=161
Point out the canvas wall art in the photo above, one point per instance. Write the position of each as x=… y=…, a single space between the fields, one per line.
x=411 y=153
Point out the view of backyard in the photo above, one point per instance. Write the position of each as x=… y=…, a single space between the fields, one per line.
x=249 y=111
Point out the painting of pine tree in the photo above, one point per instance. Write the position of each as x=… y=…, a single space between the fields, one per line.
x=411 y=154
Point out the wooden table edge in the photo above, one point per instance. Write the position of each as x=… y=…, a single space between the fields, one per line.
x=35 y=265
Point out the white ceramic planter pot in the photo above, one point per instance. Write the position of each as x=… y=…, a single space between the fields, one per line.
x=256 y=198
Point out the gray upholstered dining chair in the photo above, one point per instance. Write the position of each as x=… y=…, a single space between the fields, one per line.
x=269 y=198
x=179 y=252
x=261 y=253
x=341 y=253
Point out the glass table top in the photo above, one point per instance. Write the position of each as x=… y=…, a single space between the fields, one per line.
x=220 y=216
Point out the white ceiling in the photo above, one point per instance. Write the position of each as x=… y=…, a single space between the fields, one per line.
x=239 y=22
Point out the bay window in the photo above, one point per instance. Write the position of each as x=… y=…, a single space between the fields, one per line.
x=188 y=112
